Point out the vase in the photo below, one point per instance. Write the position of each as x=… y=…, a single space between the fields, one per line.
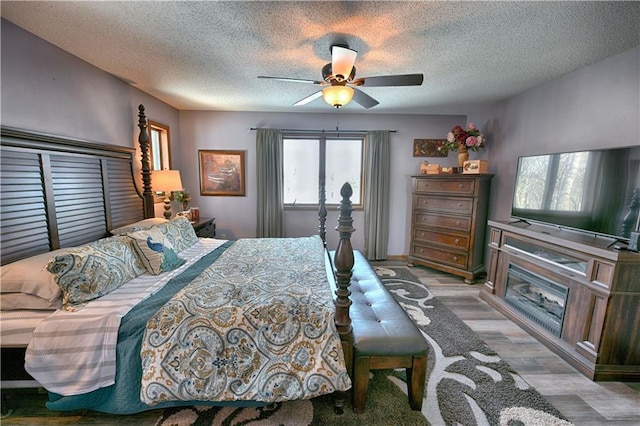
x=462 y=157
x=185 y=206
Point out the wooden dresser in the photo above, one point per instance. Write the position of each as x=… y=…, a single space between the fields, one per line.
x=448 y=223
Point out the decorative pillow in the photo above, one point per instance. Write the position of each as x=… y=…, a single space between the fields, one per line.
x=155 y=251
x=88 y=272
x=139 y=226
x=180 y=233
x=14 y=301
x=29 y=276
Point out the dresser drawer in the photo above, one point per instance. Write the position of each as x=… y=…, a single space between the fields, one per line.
x=444 y=204
x=440 y=255
x=457 y=223
x=442 y=238
x=460 y=186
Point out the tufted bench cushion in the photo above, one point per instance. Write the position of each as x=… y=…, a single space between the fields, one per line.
x=384 y=336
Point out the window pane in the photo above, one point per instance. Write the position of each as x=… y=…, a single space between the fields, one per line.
x=569 y=189
x=531 y=185
x=156 y=150
x=343 y=165
x=301 y=170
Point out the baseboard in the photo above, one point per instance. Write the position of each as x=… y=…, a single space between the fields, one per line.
x=402 y=257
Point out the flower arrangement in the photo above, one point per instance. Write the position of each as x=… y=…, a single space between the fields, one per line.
x=182 y=197
x=459 y=139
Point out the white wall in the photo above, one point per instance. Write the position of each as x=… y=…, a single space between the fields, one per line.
x=593 y=107
x=48 y=90
x=236 y=216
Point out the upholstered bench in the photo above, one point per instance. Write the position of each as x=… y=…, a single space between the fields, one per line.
x=384 y=336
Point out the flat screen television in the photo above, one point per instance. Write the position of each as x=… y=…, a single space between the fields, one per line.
x=595 y=191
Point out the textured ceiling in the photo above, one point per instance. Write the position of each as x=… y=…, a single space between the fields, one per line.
x=207 y=55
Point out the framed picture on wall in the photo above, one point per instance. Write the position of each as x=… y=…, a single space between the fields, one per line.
x=221 y=172
x=427 y=148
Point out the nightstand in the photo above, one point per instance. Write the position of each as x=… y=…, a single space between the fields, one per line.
x=205 y=228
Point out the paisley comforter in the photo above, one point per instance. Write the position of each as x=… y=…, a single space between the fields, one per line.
x=258 y=324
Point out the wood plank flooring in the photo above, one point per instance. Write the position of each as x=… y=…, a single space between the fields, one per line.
x=581 y=400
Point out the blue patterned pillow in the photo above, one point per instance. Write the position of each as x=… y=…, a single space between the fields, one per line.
x=155 y=251
x=180 y=233
x=88 y=272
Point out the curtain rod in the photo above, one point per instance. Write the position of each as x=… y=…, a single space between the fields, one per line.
x=322 y=131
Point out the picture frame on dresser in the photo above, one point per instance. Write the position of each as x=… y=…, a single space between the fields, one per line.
x=222 y=172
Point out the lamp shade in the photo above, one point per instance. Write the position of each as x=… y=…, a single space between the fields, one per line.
x=166 y=180
x=337 y=96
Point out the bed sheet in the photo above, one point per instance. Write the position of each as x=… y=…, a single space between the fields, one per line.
x=16 y=327
x=73 y=353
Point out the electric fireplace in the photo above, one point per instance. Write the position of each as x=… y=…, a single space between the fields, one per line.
x=539 y=299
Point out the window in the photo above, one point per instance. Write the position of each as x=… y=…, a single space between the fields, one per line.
x=160 y=148
x=303 y=160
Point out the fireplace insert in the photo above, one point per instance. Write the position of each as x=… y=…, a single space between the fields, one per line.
x=539 y=299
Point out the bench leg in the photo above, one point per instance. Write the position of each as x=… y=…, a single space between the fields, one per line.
x=416 y=376
x=360 y=383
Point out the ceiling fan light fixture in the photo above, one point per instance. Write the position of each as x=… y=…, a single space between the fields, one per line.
x=337 y=96
x=342 y=60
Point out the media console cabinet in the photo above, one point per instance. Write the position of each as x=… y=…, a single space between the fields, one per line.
x=574 y=292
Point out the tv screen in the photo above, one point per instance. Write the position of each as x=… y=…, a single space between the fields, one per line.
x=596 y=191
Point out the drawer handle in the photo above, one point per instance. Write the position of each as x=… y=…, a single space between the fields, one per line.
x=421 y=251
x=460 y=185
x=457 y=222
x=425 y=202
x=457 y=240
x=422 y=234
x=455 y=258
x=459 y=204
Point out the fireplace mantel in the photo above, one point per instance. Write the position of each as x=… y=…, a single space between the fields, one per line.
x=600 y=330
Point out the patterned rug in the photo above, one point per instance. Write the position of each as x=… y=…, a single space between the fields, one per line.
x=467 y=382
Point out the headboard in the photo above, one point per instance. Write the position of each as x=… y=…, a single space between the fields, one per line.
x=58 y=192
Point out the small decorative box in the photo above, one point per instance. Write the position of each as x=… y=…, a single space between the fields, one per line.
x=475 y=167
x=433 y=169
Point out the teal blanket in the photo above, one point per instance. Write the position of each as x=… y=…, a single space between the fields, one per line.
x=123 y=397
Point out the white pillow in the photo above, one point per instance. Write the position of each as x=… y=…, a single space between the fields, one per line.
x=138 y=226
x=15 y=301
x=29 y=276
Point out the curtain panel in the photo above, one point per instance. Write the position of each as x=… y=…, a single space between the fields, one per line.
x=270 y=176
x=376 y=201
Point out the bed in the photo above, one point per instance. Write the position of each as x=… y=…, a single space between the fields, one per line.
x=188 y=320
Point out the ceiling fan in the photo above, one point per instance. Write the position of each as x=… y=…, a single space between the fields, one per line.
x=340 y=83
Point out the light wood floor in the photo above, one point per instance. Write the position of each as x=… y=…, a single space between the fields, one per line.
x=582 y=401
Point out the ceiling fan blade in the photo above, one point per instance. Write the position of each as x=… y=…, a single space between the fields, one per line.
x=294 y=80
x=364 y=99
x=390 y=80
x=342 y=60
x=309 y=98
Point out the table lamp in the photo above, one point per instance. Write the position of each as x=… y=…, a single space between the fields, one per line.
x=166 y=181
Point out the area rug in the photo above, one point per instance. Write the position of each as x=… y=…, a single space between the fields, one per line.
x=467 y=382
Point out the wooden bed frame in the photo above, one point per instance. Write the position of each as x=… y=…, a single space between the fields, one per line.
x=60 y=192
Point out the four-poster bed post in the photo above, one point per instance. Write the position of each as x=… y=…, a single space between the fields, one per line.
x=143 y=141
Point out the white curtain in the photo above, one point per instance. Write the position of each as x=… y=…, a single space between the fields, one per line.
x=376 y=201
x=269 y=158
